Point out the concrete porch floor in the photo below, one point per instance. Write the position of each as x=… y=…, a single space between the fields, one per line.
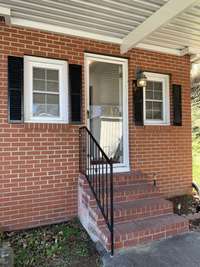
x=181 y=250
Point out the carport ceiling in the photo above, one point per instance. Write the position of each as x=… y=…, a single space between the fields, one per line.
x=171 y=26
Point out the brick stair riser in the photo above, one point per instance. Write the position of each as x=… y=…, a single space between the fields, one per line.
x=134 y=176
x=127 y=180
x=125 y=239
x=132 y=195
x=83 y=183
x=132 y=215
x=142 y=237
x=85 y=199
x=124 y=197
x=120 y=180
x=172 y=228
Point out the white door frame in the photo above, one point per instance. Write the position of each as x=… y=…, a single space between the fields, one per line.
x=118 y=167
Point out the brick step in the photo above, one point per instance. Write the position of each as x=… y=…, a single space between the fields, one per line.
x=119 y=180
x=125 y=193
x=124 y=179
x=128 y=179
x=134 y=177
x=141 y=215
x=146 y=230
x=134 y=210
x=135 y=191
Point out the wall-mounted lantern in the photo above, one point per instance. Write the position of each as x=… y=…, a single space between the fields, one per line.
x=141 y=78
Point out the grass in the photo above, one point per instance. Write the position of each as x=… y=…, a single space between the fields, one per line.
x=59 y=245
x=188 y=204
x=196 y=168
x=196 y=143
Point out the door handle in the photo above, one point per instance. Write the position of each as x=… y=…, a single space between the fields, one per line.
x=88 y=114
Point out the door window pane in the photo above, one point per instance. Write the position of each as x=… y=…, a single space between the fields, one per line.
x=106 y=107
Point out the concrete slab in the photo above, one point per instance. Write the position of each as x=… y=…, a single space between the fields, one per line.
x=181 y=250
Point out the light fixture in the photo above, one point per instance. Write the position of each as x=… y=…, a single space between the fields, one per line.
x=179 y=208
x=141 y=78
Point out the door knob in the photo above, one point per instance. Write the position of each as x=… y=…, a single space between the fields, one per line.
x=88 y=114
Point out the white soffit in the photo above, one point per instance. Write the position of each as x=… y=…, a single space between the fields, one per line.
x=114 y=21
x=161 y=17
x=180 y=33
x=108 y=18
x=5 y=12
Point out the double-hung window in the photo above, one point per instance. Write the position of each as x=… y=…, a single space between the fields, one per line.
x=45 y=90
x=156 y=99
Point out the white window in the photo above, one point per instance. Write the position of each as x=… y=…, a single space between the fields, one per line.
x=156 y=99
x=45 y=90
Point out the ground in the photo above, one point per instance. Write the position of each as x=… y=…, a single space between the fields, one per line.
x=67 y=244
x=196 y=157
x=188 y=204
x=59 y=245
x=178 y=251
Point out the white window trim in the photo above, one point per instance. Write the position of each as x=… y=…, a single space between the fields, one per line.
x=125 y=166
x=62 y=67
x=166 y=105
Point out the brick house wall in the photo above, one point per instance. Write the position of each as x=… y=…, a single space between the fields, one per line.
x=39 y=162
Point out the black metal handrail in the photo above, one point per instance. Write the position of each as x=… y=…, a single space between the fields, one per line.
x=98 y=170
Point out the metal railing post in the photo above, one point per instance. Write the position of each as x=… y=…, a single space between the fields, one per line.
x=97 y=174
x=111 y=209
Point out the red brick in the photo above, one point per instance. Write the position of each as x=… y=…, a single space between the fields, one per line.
x=162 y=150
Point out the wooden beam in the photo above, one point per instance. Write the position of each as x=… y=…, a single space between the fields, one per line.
x=193 y=52
x=195 y=59
x=190 y=51
x=6 y=13
x=159 y=49
x=161 y=17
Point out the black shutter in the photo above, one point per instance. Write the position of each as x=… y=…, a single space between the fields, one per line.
x=15 y=88
x=75 y=85
x=177 y=104
x=138 y=104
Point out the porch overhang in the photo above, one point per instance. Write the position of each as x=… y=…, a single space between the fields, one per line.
x=166 y=26
x=6 y=13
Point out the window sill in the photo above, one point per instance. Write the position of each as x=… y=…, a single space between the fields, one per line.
x=47 y=122
x=159 y=128
x=156 y=123
x=49 y=126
